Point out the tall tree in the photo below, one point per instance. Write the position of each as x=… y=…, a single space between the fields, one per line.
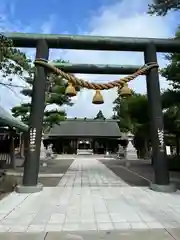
x=171 y=97
x=100 y=115
x=161 y=7
x=55 y=95
x=172 y=71
x=122 y=114
x=138 y=104
x=129 y=112
x=172 y=124
x=12 y=62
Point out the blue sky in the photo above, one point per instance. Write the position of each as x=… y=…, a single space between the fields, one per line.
x=94 y=17
x=68 y=15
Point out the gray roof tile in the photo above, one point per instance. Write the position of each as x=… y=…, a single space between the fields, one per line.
x=91 y=128
x=7 y=119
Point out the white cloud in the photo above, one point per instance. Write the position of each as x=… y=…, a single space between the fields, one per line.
x=10 y=96
x=120 y=19
x=47 y=26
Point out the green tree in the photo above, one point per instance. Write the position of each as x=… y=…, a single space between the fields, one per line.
x=138 y=104
x=129 y=112
x=161 y=7
x=55 y=94
x=22 y=111
x=121 y=113
x=172 y=71
x=171 y=97
x=172 y=124
x=12 y=62
x=100 y=115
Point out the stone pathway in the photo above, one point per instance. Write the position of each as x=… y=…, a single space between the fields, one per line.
x=89 y=197
x=155 y=234
x=88 y=172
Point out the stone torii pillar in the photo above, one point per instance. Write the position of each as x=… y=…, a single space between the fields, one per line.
x=162 y=181
x=32 y=161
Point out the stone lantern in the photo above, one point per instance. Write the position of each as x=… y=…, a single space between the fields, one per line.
x=131 y=153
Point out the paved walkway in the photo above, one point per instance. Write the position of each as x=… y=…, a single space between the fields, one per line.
x=89 y=197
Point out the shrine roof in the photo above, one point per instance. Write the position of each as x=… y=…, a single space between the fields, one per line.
x=6 y=119
x=86 y=128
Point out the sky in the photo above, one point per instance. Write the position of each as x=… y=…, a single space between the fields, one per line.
x=119 y=18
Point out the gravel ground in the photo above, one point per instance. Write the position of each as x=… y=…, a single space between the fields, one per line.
x=137 y=173
x=46 y=181
x=121 y=171
x=54 y=167
x=146 y=170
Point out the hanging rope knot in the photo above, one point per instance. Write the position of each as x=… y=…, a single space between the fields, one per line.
x=39 y=60
x=151 y=64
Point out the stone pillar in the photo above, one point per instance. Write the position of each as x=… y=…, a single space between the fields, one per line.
x=161 y=181
x=32 y=161
x=43 y=151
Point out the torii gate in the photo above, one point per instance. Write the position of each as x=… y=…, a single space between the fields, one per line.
x=149 y=46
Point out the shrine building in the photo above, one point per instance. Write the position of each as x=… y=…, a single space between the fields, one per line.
x=96 y=136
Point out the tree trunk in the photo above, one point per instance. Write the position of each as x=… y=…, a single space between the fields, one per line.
x=177 y=145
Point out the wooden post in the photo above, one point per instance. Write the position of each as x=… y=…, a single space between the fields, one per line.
x=12 y=151
x=21 y=145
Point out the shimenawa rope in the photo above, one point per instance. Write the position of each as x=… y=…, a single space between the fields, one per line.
x=96 y=86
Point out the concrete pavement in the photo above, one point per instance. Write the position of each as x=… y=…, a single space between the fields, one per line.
x=155 y=234
x=90 y=197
